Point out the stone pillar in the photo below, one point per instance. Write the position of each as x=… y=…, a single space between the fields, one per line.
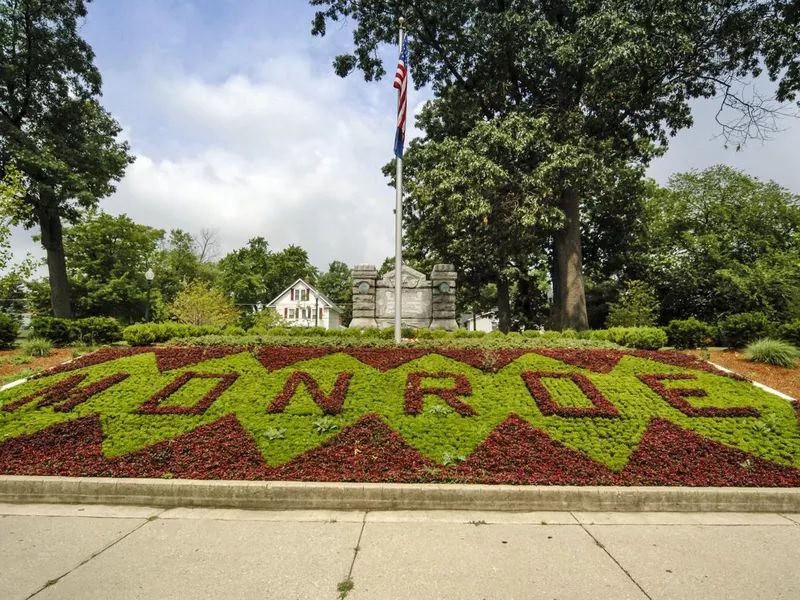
x=365 y=279
x=443 y=283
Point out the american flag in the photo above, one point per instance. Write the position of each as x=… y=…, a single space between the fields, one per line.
x=401 y=83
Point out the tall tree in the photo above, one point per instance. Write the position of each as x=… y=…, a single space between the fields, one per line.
x=255 y=275
x=721 y=242
x=337 y=284
x=108 y=256
x=52 y=126
x=609 y=80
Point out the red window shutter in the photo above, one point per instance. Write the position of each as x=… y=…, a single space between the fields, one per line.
x=285 y=313
x=320 y=313
x=292 y=295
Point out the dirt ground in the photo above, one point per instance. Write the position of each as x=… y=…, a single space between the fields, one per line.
x=778 y=378
x=8 y=368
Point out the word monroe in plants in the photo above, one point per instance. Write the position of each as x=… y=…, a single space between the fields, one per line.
x=516 y=415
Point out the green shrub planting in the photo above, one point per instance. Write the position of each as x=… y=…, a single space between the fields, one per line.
x=773 y=352
x=790 y=332
x=739 y=330
x=689 y=333
x=9 y=328
x=643 y=338
x=96 y=330
x=58 y=331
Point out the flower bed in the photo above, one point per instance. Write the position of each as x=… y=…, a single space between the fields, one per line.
x=545 y=416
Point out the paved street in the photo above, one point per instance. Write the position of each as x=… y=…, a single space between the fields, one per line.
x=53 y=552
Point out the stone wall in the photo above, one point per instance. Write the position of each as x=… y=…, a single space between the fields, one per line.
x=427 y=303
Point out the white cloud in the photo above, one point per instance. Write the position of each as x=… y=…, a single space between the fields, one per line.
x=292 y=155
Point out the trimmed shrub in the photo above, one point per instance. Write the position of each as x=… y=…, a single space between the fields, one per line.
x=36 y=347
x=570 y=334
x=739 y=330
x=642 y=338
x=790 y=332
x=278 y=331
x=532 y=333
x=96 y=330
x=461 y=333
x=58 y=331
x=477 y=334
x=233 y=330
x=9 y=328
x=689 y=333
x=551 y=335
x=146 y=334
x=438 y=334
x=773 y=352
x=372 y=332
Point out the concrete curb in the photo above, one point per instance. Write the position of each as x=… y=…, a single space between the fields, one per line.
x=279 y=495
x=758 y=385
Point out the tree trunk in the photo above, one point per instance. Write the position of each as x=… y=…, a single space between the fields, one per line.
x=503 y=305
x=53 y=242
x=555 y=278
x=569 y=260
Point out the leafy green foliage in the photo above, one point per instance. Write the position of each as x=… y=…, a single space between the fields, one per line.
x=36 y=347
x=689 y=333
x=790 y=332
x=721 y=242
x=337 y=284
x=53 y=128
x=9 y=328
x=62 y=332
x=739 y=330
x=254 y=274
x=643 y=338
x=773 y=352
x=58 y=331
x=198 y=305
x=637 y=307
x=146 y=334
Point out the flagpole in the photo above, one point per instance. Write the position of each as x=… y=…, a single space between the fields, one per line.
x=398 y=230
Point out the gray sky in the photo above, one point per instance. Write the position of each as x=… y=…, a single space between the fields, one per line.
x=238 y=123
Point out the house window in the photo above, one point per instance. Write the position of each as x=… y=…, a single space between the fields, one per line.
x=303 y=295
x=291 y=313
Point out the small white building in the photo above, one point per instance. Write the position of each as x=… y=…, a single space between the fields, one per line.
x=300 y=305
x=487 y=321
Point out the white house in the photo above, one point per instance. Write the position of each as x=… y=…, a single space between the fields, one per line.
x=301 y=305
x=487 y=321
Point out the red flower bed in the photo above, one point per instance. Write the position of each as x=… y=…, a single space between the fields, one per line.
x=518 y=453
x=415 y=392
x=670 y=455
x=675 y=397
x=330 y=404
x=153 y=405
x=602 y=407
x=367 y=450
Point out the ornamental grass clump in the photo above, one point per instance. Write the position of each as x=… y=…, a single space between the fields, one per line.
x=36 y=347
x=773 y=352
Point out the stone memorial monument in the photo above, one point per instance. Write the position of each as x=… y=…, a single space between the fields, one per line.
x=426 y=303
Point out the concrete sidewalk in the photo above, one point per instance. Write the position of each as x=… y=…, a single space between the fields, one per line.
x=97 y=552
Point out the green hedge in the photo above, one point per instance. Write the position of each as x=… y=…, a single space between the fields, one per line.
x=741 y=329
x=790 y=332
x=146 y=334
x=9 y=328
x=646 y=338
x=690 y=333
x=642 y=338
x=91 y=330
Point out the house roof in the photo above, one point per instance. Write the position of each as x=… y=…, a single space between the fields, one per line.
x=330 y=303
